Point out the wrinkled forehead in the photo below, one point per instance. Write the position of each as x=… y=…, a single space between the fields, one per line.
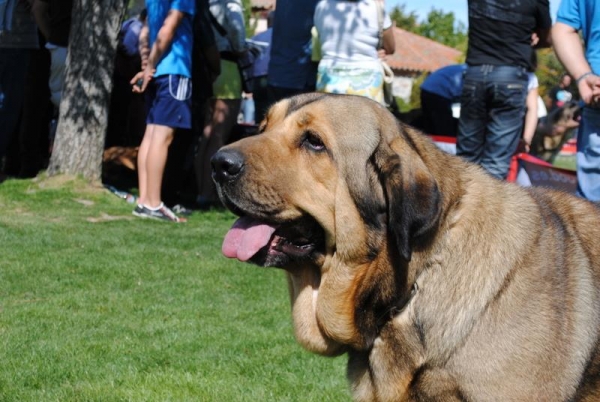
x=347 y=118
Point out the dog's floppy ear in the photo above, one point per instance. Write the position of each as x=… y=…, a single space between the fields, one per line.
x=412 y=194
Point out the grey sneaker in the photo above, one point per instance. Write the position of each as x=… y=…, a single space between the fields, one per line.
x=140 y=211
x=162 y=213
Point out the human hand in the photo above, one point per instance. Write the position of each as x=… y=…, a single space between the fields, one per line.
x=535 y=39
x=589 y=89
x=524 y=146
x=140 y=80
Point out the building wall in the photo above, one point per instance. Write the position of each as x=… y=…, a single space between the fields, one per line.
x=402 y=87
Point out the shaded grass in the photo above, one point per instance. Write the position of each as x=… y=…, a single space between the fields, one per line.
x=96 y=305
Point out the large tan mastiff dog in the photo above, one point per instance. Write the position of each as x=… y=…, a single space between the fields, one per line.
x=439 y=282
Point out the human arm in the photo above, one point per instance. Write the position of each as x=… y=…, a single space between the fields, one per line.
x=569 y=50
x=144 y=44
x=531 y=118
x=204 y=39
x=161 y=45
x=235 y=27
x=542 y=34
x=41 y=14
x=542 y=38
x=389 y=41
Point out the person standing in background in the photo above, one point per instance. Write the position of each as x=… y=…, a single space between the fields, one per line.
x=351 y=33
x=179 y=183
x=54 y=21
x=227 y=20
x=166 y=75
x=535 y=108
x=261 y=70
x=126 y=116
x=501 y=35
x=584 y=65
x=291 y=70
x=561 y=93
x=440 y=93
x=18 y=40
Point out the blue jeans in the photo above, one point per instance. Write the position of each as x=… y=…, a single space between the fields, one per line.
x=588 y=155
x=492 y=116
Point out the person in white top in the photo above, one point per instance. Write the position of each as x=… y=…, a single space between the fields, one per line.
x=534 y=110
x=350 y=37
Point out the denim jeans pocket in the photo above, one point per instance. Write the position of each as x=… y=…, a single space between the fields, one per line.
x=470 y=99
x=512 y=94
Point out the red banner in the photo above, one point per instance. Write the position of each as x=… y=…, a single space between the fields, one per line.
x=525 y=169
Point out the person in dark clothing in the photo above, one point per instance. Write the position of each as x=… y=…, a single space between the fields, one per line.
x=127 y=114
x=261 y=71
x=439 y=92
x=291 y=70
x=502 y=36
x=54 y=21
x=18 y=46
x=29 y=151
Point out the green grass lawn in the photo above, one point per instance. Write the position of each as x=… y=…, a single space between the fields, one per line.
x=97 y=305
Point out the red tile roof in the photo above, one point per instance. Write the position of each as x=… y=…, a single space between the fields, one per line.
x=419 y=54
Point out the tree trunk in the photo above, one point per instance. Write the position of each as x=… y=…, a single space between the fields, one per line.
x=83 y=112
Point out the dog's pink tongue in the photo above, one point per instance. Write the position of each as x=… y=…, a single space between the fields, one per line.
x=245 y=238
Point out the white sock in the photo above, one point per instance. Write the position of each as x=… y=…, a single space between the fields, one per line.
x=155 y=209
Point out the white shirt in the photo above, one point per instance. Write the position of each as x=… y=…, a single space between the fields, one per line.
x=532 y=84
x=349 y=30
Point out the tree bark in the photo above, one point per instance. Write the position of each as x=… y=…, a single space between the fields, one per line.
x=83 y=112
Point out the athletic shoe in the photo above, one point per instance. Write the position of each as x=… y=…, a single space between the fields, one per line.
x=161 y=213
x=140 y=211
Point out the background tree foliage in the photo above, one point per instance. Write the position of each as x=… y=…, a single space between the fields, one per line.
x=404 y=19
x=439 y=26
x=548 y=71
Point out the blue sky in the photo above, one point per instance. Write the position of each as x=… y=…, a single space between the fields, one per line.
x=458 y=7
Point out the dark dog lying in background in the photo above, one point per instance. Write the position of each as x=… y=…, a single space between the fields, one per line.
x=554 y=130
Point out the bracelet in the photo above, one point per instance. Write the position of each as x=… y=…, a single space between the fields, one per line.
x=582 y=76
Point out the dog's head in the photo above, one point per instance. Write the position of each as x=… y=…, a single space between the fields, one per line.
x=554 y=129
x=567 y=116
x=338 y=193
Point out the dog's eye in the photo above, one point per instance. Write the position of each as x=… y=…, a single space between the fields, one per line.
x=312 y=141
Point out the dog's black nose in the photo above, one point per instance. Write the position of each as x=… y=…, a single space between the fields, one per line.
x=227 y=165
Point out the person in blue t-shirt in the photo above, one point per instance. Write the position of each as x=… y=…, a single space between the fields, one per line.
x=440 y=90
x=166 y=79
x=584 y=66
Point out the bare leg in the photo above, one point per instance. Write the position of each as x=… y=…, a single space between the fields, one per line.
x=141 y=164
x=152 y=158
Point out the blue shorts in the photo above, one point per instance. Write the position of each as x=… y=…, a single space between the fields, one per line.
x=169 y=101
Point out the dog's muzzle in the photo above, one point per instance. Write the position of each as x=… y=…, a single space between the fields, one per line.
x=227 y=165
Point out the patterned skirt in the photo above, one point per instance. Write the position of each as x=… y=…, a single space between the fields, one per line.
x=351 y=80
